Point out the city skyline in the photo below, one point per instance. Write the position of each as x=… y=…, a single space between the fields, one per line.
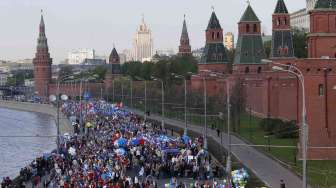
x=69 y=28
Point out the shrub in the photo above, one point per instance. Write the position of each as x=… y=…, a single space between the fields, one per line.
x=279 y=128
x=288 y=129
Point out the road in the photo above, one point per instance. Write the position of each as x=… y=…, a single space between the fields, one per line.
x=266 y=169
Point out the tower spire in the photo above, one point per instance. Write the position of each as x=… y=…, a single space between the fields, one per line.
x=184 y=48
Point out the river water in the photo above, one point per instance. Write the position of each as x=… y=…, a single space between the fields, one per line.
x=18 y=152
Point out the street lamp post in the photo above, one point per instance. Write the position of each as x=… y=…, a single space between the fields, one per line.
x=304 y=130
x=185 y=102
x=145 y=100
x=228 y=109
x=113 y=91
x=131 y=86
x=162 y=100
x=122 y=92
x=205 y=132
x=57 y=100
x=205 y=114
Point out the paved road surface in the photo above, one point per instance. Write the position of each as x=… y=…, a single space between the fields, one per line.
x=265 y=168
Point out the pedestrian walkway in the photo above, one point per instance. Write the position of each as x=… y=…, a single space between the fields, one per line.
x=266 y=169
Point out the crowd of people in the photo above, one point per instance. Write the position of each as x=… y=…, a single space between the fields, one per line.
x=115 y=148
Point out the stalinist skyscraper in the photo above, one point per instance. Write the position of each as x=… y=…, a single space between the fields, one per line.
x=143 y=43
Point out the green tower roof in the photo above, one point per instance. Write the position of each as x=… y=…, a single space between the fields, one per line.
x=325 y=4
x=281 y=8
x=249 y=15
x=213 y=22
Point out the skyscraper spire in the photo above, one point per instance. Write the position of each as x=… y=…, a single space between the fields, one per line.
x=184 y=48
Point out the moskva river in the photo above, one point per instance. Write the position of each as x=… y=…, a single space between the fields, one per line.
x=20 y=143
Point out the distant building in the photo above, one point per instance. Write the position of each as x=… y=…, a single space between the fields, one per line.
x=94 y=62
x=143 y=43
x=166 y=52
x=29 y=83
x=3 y=78
x=123 y=58
x=78 y=56
x=128 y=55
x=266 y=38
x=197 y=53
x=300 y=19
x=25 y=61
x=229 y=41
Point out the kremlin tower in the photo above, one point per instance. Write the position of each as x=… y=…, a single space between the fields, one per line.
x=250 y=49
x=184 y=48
x=114 y=68
x=42 y=63
x=282 y=40
x=321 y=39
x=214 y=55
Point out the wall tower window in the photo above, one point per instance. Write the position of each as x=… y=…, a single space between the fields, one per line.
x=213 y=35
x=247 y=28
x=321 y=90
x=247 y=70
x=255 y=28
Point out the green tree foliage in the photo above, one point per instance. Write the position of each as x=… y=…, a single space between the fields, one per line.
x=146 y=70
x=268 y=48
x=280 y=128
x=231 y=54
x=300 y=43
x=65 y=70
x=18 y=77
x=238 y=104
x=132 y=68
x=100 y=71
x=161 y=69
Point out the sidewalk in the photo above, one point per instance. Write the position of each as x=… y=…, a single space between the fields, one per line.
x=265 y=168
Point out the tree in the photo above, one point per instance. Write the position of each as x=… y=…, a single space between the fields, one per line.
x=100 y=71
x=238 y=103
x=132 y=69
x=300 y=43
x=231 y=54
x=147 y=70
x=65 y=70
x=268 y=48
x=18 y=77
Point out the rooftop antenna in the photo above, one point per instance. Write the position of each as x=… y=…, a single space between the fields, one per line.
x=213 y=8
x=143 y=17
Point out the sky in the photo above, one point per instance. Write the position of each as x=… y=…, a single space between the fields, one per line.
x=98 y=24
